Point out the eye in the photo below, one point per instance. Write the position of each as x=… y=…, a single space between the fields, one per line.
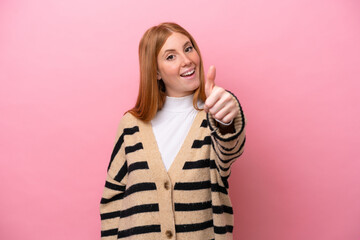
x=170 y=57
x=190 y=47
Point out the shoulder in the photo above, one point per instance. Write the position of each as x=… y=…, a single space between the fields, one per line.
x=127 y=121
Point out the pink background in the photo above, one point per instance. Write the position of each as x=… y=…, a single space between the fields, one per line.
x=69 y=70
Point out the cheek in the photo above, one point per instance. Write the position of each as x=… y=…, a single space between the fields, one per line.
x=196 y=59
x=171 y=70
x=167 y=69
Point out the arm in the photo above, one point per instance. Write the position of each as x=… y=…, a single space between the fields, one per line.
x=114 y=188
x=228 y=141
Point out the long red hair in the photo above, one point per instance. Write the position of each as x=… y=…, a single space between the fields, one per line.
x=151 y=96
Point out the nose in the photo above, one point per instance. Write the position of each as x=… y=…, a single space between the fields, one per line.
x=186 y=60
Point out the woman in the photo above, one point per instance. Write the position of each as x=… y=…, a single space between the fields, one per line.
x=167 y=177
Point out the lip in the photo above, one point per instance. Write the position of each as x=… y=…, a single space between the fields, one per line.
x=193 y=76
x=188 y=70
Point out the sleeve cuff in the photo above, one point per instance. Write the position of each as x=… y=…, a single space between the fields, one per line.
x=226 y=124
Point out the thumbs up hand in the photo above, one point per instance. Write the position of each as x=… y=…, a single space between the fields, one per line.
x=219 y=103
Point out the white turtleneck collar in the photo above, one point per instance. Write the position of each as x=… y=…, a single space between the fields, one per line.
x=178 y=104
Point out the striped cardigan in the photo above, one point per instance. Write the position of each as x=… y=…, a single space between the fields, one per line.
x=142 y=200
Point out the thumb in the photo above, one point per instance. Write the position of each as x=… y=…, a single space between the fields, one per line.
x=210 y=80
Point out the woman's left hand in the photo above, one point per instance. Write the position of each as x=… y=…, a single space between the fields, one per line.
x=219 y=103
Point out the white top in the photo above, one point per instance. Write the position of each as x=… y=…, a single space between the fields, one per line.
x=172 y=124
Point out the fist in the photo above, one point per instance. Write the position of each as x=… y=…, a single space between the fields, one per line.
x=219 y=103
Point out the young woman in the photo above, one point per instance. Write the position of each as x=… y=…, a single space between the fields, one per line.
x=167 y=177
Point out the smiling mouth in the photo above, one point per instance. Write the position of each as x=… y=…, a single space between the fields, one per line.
x=188 y=74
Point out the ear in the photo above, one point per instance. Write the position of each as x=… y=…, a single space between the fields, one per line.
x=158 y=76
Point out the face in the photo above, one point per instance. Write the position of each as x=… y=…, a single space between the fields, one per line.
x=178 y=66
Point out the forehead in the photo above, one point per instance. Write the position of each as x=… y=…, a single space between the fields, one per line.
x=175 y=40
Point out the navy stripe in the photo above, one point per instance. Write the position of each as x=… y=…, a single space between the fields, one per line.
x=131 y=211
x=193 y=227
x=138 y=165
x=225 y=168
x=204 y=123
x=114 y=186
x=233 y=153
x=131 y=131
x=139 y=209
x=192 y=185
x=139 y=187
x=110 y=232
x=217 y=188
x=225 y=182
x=120 y=141
x=113 y=198
x=227 y=149
x=223 y=178
x=222 y=209
x=212 y=164
x=192 y=206
x=204 y=163
x=200 y=143
x=227 y=160
x=223 y=230
x=133 y=189
x=134 y=148
x=139 y=230
x=109 y=215
x=122 y=172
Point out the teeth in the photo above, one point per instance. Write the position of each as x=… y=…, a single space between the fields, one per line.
x=188 y=73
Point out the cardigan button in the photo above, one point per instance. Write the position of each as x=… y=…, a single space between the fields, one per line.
x=166 y=185
x=168 y=234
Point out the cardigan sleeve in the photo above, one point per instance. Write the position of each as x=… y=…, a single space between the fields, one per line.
x=114 y=188
x=228 y=147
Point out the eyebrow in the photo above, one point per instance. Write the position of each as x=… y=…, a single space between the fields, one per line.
x=172 y=50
